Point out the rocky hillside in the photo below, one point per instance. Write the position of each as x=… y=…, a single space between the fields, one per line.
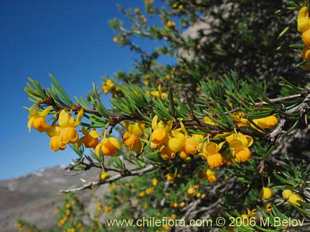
x=35 y=197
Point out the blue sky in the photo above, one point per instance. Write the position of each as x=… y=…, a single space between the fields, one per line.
x=68 y=38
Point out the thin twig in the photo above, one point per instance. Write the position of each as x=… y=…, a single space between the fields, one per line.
x=114 y=178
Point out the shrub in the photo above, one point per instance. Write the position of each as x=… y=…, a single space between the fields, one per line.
x=220 y=133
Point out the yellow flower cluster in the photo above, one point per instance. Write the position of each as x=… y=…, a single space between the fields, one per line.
x=170 y=142
x=108 y=86
x=303 y=26
x=61 y=134
x=177 y=141
x=64 y=132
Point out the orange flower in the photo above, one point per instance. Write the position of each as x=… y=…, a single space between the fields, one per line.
x=215 y=161
x=192 y=144
x=108 y=146
x=212 y=155
x=90 y=139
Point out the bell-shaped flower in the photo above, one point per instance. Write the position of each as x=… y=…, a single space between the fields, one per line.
x=108 y=147
x=68 y=124
x=193 y=144
x=90 y=138
x=176 y=141
x=56 y=143
x=211 y=154
x=37 y=118
x=239 y=145
x=132 y=137
x=160 y=132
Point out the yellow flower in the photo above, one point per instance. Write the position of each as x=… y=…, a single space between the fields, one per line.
x=108 y=147
x=141 y=194
x=136 y=128
x=170 y=24
x=211 y=148
x=212 y=155
x=177 y=141
x=108 y=86
x=286 y=193
x=132 y=141
x=192 y=144
x=67 y=127
x=56 y=143
x=303 y=22
x=154 y=182
x=209 y=121
x=239 y=144
x=37 y=118
x=158 y=93
x=242 y=155
x=306 y=38
x=132 y=136
x=69 y=135
x=66 y=120
x=166 y=153
x=266 y=122
x=295 y=199
x=160 y=132
x=266 y=193
x=291 y=197
x=103 y=175
x=215 y=161
x=149 y=190
x=170 y=177
x=239 y=119
x=239 y=139
x=210 y=175
x=90 y=139
x=191 y=191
